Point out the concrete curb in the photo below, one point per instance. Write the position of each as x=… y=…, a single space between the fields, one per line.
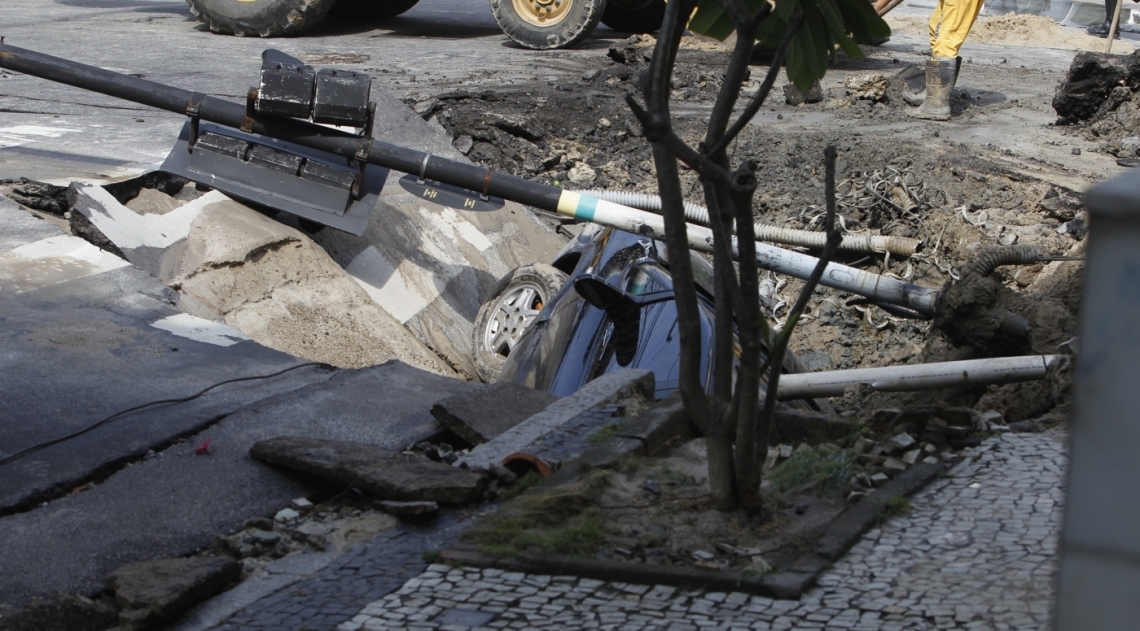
x=609 y=388
x=790 y=583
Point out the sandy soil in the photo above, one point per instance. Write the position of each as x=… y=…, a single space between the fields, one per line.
x=1015 y=30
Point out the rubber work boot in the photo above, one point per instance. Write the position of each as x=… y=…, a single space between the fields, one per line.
x=940 y=79
x=916 y=98
x=1101 y=30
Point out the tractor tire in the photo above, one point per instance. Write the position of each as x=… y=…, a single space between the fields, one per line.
x=546 y=24
x=508 y=313
x=370 y=10
x=634 y=16
x=267 y=18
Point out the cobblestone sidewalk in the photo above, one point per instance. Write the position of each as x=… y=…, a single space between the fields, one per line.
x=978 y=551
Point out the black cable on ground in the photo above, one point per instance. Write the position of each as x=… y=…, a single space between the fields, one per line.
x=34 y=448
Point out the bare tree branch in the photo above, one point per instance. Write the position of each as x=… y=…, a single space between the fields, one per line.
x=776 y=357
x=761 y=96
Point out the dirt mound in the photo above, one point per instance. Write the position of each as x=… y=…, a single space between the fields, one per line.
x=1015 y=30
x=1101 y=93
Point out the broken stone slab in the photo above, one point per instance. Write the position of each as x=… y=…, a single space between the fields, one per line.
x=377 y=471
x=663 y=426
x=59 y=612
x=803 y=426
x=152 y=593
x=892 y=466
x=902 y=441
x=272 y=283
x=567 y=442
x=483 y=414
x=609 y=388
x=145 y=239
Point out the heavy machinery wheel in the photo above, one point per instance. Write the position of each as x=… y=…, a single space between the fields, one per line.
x=545 y=24
x=505 y=316
x=267 y=18
x=370 y=10
x=634 y=16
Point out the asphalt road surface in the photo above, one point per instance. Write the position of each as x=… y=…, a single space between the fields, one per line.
x=55 y=132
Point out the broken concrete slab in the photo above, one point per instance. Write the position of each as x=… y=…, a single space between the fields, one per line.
x=609 y=388
x=430 y=261
x=59 y=612
x=381 y=472
x=87 y=347
x=151 y=593
x=176 y=502
x=144 y=239
x=18 y=226
x=483 y=414
x=275 y=285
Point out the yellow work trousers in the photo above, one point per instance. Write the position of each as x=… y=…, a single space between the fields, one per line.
x=950 y=25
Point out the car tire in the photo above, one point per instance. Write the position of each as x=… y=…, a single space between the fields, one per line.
x=267 y=18
x=546 y=24
x=505 y=316
x=370 y=10
x=634 y=16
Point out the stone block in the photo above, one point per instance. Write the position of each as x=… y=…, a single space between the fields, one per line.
x=483 y=414
x=152 y=593
x=380 y=472
x=610 y=388
x=662 y=426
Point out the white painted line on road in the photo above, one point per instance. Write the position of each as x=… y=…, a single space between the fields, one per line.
x=200 y=329
x=51 y=261
x=128 y=229
x=18 y=135
x=394 y=288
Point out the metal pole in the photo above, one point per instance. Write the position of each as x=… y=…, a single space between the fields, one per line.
x=914 y=377
x=480 y=179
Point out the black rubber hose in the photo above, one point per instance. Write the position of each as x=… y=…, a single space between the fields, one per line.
x=993 y=257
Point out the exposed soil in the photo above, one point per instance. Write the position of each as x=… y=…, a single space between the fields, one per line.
x=953 y=199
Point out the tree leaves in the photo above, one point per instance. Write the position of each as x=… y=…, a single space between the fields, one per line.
x=828 y=25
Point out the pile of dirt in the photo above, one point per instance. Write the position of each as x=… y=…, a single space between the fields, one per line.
x=1101 y=97
x=1014 y=30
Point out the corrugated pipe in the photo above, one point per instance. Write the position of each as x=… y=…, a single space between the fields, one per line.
x=899 y=246
x=993 y=257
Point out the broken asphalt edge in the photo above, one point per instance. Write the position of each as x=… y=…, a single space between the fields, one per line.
x=788 y=584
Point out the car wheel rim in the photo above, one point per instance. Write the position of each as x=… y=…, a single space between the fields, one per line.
x=542 y=12
x=513 y=313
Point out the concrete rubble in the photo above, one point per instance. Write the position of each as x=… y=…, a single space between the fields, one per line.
x=377 y=471
x=268 y=280
x=152 y=593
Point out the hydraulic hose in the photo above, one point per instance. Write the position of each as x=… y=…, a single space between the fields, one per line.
x=900 y=246
x=993 y=257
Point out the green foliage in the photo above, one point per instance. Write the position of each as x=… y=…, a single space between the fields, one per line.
x=827 y=25
x=605 y=433
x=431 y=556
x=561 y=520
x=829 y=472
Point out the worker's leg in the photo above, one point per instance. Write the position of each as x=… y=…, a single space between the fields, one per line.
x=957 y=18
x=935 y=20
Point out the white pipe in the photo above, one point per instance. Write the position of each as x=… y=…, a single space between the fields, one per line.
x=876 y=287
x=913 y=377
x=901 y=246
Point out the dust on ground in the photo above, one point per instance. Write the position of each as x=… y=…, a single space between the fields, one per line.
x=1015 y=30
